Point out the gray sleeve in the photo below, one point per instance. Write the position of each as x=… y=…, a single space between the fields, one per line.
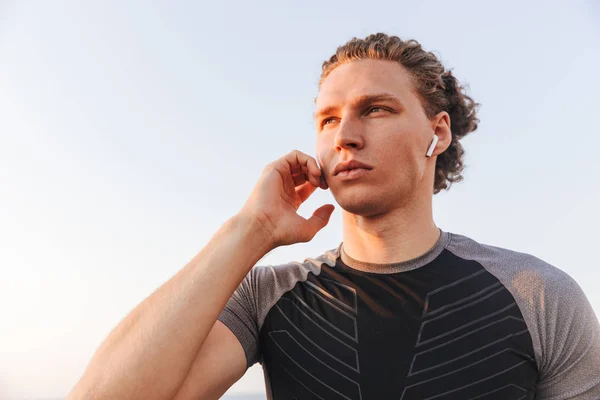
x=570 y=342
x=240 y=314
x=564 y=329
x=249 y=304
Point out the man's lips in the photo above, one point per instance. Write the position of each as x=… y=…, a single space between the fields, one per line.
x=350 y=165
x=354 y=173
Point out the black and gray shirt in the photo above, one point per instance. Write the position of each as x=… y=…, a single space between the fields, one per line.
x=463 y=321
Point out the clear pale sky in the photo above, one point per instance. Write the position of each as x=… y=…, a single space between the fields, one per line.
x=130 y=132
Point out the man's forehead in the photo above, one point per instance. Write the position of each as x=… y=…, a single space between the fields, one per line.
x=363 y=77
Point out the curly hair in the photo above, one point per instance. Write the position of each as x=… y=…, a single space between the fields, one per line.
x=437 y=89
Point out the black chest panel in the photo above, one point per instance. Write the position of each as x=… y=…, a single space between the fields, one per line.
x=447 y=330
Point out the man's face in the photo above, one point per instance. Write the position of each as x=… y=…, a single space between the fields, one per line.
x=390 y=134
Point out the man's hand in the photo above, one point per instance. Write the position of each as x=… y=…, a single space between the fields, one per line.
x=283 y=186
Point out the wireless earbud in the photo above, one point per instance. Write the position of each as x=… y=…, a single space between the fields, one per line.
x=432 y=147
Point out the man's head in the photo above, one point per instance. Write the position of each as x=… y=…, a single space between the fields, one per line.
x=391 y=132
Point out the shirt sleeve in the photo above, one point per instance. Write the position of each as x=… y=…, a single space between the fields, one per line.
x=248 y=306
x=240 y=315
x=569 y=366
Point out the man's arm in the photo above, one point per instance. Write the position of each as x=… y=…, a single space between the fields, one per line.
x=150 y=353
x=220 y=363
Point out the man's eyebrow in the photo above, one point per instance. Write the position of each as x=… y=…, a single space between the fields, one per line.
x=360 y=101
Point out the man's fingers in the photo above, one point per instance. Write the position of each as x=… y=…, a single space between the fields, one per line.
x=313 y=167
x=323 y=182
x=301 y=162
x=304 y=191
x=299 y=179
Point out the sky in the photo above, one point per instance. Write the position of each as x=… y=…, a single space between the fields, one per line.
x=131 y=131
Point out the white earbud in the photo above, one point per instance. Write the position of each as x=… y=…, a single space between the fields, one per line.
x=432 y=147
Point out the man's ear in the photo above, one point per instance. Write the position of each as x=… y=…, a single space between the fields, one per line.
x=441 y=128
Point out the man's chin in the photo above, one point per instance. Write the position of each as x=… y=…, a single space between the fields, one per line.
x=363 y=206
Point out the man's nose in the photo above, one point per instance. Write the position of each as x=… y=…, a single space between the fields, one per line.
x=349 y=134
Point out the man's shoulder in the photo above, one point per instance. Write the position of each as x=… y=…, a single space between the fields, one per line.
x=295 y=270
x=563 y=327
x=507 y=264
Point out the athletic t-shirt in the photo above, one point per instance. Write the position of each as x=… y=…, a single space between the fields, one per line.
x=463 y=321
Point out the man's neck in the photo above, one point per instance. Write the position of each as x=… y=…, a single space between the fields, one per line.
x=400 y=235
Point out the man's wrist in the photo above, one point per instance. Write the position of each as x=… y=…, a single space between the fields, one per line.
x=255 y=230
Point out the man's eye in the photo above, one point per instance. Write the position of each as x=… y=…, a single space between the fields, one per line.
x=325 y=122
x=375 y=108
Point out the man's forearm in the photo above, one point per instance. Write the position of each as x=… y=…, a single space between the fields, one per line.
x=149 y=354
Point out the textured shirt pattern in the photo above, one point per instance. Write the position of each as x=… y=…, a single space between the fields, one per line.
x=462 y=321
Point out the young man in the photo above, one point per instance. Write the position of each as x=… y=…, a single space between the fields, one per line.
x=399 y=309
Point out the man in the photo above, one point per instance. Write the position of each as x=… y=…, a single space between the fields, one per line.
x=399 y=309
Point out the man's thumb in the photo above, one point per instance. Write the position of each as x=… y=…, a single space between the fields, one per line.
x=319 y=219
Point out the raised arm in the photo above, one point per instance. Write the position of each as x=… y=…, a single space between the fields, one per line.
x=163 y=349
x=149 y=354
